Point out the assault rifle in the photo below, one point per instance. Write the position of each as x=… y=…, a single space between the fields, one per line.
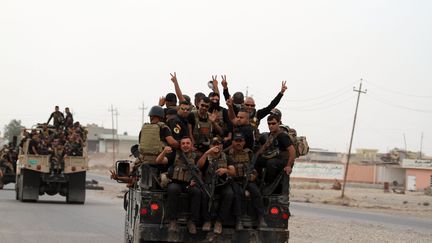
x=195 y=176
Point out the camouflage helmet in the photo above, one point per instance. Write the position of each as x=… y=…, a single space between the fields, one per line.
x=157 y=111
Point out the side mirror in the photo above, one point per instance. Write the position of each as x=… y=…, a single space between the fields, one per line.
x=123 y=168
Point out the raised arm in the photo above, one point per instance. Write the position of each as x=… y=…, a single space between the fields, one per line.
x=215 y=84
x=225 y=87
x=177 y=87
x=261 y=113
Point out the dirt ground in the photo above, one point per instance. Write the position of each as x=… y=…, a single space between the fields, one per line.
x=313 y=229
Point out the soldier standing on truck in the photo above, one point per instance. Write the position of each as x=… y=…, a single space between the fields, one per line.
x=245 y=178
x=181 y=181
x=58 y=117
x=219 y=168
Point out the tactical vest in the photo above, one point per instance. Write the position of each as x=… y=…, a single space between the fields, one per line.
x=272 y=148
x=202 y=131
x=181 y=172
x=219 y=162
x=241 y=161
x=215 y=164
x=151 y=144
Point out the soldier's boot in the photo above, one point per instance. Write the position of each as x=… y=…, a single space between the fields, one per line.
x=191 y=227
x=261 y=222
x=206 y=226
x=217 y=227
x=239 y=224
x=173 y=227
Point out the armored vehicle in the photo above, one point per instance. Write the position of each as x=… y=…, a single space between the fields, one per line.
x=35 y=176
x=146 y=220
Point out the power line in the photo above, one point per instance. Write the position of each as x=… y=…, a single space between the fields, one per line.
x=397 y=105
x=398 y=92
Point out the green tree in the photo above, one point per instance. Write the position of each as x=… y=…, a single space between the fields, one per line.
x=12 y=129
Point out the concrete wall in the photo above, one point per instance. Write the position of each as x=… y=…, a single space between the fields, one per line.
x=361 y=173
x=325 y=171
x=390 y=174
x=423 y=177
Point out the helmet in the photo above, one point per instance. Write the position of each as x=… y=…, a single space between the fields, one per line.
x=157 y=111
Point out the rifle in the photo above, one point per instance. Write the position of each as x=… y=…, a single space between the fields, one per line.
x=195 y=176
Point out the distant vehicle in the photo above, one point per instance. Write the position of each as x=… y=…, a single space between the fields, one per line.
x=34 y=178
x=146 y=221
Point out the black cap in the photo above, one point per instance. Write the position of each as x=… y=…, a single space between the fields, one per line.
x=238 y=135
x=216 y=140
x=171 y=97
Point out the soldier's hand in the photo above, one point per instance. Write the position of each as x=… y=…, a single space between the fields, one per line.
x=113 y=175
x=224 y=82
x=284 y=87
x=252 y=177
x=174 y=77
x=213 y=116
x=221 y=171
x=229 y=102
x=162 y=101
x=192 y=183
x=214 y=149
x=167 y=149
x=215 y=82
x=288 y=170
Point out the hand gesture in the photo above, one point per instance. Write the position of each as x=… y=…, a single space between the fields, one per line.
x=113 y=175
x=162 y=101
x=214 y=150
x=284 y=87
x=224 y=82
x=214 y=81
x=167 y=150
x=174 y=77
x=213 y=117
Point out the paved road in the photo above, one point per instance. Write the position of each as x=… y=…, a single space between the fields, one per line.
x=52 y=220
x=341 y=213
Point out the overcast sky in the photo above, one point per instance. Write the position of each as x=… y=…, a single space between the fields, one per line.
x=89 y=54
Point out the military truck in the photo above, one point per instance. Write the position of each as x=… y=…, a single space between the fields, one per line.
x=34 y=177
x=146 y=220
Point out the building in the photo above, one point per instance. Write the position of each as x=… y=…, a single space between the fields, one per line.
x=102 y=140
x=418 y=174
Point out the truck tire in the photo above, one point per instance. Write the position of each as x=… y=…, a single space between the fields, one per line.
x=29 y=185
x=76 y=188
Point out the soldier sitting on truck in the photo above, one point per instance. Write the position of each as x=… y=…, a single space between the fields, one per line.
x=218 y=169
x=279 y=154
x=245 y=178
x=58 y=154
x=182 y=181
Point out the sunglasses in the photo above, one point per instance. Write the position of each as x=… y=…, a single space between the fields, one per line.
x=205 y=106
x=184 y=109
x=250 y=105
x=271 y=123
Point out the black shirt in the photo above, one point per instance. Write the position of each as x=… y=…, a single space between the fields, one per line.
x=179 y=127
x=248 y=133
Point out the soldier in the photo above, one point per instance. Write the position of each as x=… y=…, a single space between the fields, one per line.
x=223 y=119
x=279 y=153
x=58 y=117
x=218 y=170
x=203 y=126
x=242 y=125
x=182 y=181
x=245 y=177
x=58 y=154
x=69 y=118
x=154 y=137
x=34 y=144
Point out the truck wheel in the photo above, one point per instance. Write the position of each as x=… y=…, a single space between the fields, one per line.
x=29 y=185
x=76 y=188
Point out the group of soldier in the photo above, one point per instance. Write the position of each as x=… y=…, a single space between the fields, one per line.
x=210 y=150
x=64 y=138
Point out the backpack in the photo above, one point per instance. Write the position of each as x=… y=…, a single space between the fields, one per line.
x=300 y=143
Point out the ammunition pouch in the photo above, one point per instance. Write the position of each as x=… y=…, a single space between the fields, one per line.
x=240 y=169
x=270 y=154
x=181 y=173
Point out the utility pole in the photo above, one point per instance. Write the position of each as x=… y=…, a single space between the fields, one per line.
x=247 y=91
x=117 y=140
x=359 y=91
x=113 y=135
x=421 y=145
x=405 y=143
x=142 y=108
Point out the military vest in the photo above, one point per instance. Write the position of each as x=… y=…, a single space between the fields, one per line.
x=181 y=172
x=218 y=162
x=241 y=161
x=151 y=144
x=202 y=131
